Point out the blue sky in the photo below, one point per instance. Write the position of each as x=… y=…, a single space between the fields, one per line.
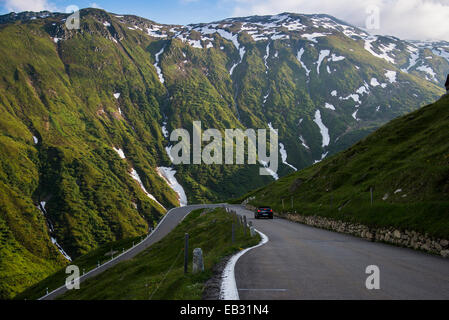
x=168 y=11
x=406 y=19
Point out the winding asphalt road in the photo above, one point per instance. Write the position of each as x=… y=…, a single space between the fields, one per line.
x=302 y=262
x=168 y=223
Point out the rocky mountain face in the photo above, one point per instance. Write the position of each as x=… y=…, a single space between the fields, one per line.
x=86 y=116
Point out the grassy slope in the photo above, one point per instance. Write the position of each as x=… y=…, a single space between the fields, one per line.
x=50 y=90
x=409 y=153
x=85 y=262
x=158 y=272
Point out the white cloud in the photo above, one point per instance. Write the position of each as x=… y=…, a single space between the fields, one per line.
x=95 y=5
x=406 y=19
x=27 y=5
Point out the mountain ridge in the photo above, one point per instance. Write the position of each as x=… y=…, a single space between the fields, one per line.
x=86 y=116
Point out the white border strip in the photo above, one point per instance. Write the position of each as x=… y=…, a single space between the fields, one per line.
x=228 y=289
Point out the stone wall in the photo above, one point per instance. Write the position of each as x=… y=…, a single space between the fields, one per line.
x=405 y=238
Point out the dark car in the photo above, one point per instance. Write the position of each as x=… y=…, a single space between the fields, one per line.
x=263 y=212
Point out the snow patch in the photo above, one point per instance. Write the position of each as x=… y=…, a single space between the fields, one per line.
x=354 y=115
x=323 y=54
x=241 y=53
x=429 y=71
x=374 y=82
x=391 y=76
x=299 y=56
x=323 y=129
x=329 y=106
x=53 y=240
x=324 y=155
x=384 y=49
x=271 y=172
x=136 y=177
x=303 y=142
x=156 y=65
x=164 y=129
x=266 y=55
x=312 y=36
x=414 y=55
x=120 y=153
x=266 y=97
x=284 y=156
x=353 y=96
x=168 y=174
x=335 y=58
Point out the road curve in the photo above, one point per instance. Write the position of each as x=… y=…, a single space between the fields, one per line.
x=171 y=219
x=302 y=262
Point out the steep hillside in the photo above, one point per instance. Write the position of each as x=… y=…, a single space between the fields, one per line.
x=406 y=163
x=86 y=116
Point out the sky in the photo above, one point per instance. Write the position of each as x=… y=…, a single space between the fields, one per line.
x=405 y=19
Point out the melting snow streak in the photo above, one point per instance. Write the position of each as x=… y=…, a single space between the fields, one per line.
x=323 y=129
x=156 y=65
x=168 y=174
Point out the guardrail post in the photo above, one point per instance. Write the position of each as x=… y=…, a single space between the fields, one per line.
x=252 y=231
x=186 y=252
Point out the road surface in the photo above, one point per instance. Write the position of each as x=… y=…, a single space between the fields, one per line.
x=302 y=262
x=168 y=223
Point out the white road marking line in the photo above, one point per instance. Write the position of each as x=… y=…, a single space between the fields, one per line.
x=282 y=290
x=228 y=290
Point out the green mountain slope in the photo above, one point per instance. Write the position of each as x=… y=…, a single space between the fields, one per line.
x=68 y=105
x=406 y=162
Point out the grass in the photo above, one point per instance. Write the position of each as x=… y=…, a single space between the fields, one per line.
x=158 y=272
x=85 y=262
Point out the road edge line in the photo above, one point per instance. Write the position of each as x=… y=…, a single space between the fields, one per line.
x=228 y=287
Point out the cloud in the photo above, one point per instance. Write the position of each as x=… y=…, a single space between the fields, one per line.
x=27 y=5
x=94 y=5
x=406 y=19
